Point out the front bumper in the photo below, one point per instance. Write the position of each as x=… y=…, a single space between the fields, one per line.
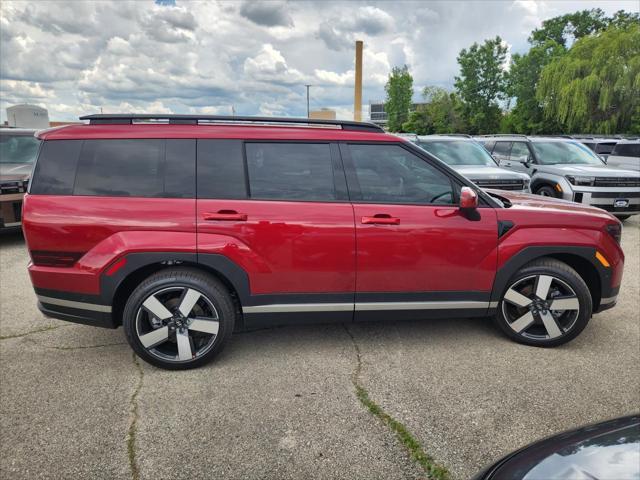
x=617 y=201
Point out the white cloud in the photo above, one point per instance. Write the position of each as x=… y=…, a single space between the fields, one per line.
x=133 y=55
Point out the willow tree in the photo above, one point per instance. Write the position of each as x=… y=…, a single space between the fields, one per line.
x=595 y=86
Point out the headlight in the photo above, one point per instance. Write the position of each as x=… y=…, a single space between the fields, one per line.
x=584 y=181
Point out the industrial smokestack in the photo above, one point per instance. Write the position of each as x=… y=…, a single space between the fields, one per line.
x=357 y=100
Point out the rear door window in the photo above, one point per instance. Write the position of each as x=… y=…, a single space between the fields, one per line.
x=627 y=150
x=290 y=171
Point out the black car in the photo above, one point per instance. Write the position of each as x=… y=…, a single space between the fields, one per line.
x=607 y=450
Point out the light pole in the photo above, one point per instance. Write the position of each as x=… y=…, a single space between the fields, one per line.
x=307 y=100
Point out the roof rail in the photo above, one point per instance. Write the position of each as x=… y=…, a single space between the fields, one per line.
x=553 y=136
x=505 y=135
x=128 y=119
x=465 y=135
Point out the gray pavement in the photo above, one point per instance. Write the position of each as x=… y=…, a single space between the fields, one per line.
x=281 y=403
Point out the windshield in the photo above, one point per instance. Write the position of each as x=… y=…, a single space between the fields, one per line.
x=18 y=148
x=458 y=152
x=553 y=153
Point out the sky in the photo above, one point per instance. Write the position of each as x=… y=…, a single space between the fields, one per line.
x=243 y=57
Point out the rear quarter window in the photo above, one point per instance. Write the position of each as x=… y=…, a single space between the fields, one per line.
x=56 y=167
x=116 y=168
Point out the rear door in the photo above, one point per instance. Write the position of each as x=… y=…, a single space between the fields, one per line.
x=417 y=253
x=279 y=210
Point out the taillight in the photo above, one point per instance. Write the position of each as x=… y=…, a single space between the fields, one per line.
x=615 y=230
x=55 y=259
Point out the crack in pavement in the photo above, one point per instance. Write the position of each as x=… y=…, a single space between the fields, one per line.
x=82 y=347
x=433 y=470
x=38 y=330
x=131 y=433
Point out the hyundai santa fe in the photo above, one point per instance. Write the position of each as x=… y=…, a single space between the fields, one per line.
x=183 y=229
x=565 y=168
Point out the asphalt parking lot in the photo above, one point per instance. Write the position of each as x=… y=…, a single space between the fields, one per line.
x=282 y=403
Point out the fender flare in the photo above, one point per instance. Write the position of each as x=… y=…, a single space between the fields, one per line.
x=528 y=254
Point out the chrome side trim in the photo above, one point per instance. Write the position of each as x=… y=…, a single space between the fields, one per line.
x=300 y=307
x=607 y=301
x=71 y=304
x=419 y=305
x=493 y=304
x=364 y=306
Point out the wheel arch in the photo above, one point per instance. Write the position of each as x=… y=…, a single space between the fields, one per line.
x=117 y=288
x=581 y=259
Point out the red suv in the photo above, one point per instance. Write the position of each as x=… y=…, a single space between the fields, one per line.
x=186 y=228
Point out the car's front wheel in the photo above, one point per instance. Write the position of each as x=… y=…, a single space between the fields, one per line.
x=546 y=191
x=179 y=318
x=546 y=303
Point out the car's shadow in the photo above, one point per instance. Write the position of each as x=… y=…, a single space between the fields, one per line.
x=11 y=237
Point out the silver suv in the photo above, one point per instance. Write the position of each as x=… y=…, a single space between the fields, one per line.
x=626 y=154
x=565 y=168
x=470 y=159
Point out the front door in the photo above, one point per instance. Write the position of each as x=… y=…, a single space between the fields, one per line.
x=417 y=254
x=280 y=212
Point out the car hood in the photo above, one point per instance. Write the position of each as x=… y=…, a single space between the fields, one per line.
x=588 y=170
x=15 y=171
x=538 y=202
x=488 y=173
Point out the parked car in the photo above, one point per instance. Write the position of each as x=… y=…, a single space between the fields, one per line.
x=626 y=154
x=18 y=151
x=184 y=230
x=472 y=160
x=564 y=168
x=601 y=146
x=606 y=450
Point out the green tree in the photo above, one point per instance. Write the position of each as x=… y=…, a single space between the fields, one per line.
x=439 y=114
x=564 y=28
x=399 y=89
x=481 y=84
x=552 y=40
x=595 y=86
x=527 y=115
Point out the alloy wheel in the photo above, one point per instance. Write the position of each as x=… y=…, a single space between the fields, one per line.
x=177 y=324
x=540 y=307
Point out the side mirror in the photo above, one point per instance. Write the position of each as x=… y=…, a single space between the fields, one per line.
x=468 y=199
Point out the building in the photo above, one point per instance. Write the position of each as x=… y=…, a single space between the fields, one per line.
x=27 y=116
x=323 y=114
x=378 y=116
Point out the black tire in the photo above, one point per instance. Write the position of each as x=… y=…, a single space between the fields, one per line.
x=546 y=191
x=171 y=288
x=566 y=286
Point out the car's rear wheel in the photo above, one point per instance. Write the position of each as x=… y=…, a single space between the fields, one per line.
x=546 y=303
x=179 y=318
x=546 y=191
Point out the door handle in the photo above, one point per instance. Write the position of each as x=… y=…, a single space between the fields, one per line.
x=381 y=219
x=225 y=215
